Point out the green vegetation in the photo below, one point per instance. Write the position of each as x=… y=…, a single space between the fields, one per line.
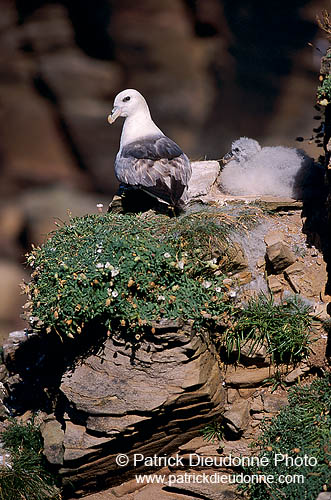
x=213 y=432
x=276 y=380
x=121 y=274
x=301 y=428
x=25 y=436
x=127 y=271
x=25 y=477
x=324 y=90
x=284 y=328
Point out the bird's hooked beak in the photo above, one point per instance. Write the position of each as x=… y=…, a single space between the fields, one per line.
x=116 y=112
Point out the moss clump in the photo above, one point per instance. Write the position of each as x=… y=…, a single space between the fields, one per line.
x=303 y=428
x=25 y=476
x=126 y=272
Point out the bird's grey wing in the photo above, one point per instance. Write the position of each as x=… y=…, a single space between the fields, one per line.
x=154 y=162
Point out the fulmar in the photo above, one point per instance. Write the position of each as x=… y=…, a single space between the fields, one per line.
x=147 y=158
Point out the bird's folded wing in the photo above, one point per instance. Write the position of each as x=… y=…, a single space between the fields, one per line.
x=151 y=160
x=153 y=148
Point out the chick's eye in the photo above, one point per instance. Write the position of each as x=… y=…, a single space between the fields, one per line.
x=127 y=98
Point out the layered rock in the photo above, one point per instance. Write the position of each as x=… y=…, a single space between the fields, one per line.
x=150 y=403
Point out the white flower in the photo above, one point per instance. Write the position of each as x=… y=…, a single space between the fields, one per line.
x=206 y=284
x=99 y=205
x=99 y=250
x=114 y=272
x=232 y=294
x=167 y=255
x=160 y=298
x=107 y=265
x=218 y=289
x=99 y=265
x=181 y=264
x=109 y=290
x=114 y=293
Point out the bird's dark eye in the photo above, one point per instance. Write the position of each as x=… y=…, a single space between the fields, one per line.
x=236 y=150
x=127 y=98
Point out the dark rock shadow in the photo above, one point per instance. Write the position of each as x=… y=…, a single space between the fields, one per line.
x=36 y=367
x=310 y=187
x=130 y=200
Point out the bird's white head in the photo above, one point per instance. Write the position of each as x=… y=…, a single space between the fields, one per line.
x=128 y=103
x=243 y=149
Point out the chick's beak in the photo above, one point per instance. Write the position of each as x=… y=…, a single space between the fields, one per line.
x=116 y=112
x=226 y=158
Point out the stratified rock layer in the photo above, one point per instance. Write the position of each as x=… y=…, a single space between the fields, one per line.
x=150 y=403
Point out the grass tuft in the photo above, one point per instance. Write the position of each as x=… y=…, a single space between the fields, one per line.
x=213 y=432
x=25 y=477
x=284 y=328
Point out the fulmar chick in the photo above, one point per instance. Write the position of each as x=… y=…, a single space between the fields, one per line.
x=147 y=159
x=277 y=170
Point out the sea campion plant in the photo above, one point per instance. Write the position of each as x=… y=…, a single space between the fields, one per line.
x=121 y=274
x=324 y=90
x=126 y=272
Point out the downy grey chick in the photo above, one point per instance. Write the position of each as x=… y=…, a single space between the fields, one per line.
x=277 y=170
